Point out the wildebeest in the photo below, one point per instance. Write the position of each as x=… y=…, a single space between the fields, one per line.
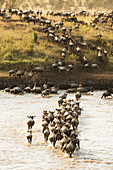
x=78 y=95
x=29 y=136
x=46 y=134
x=30 y=122
x=12 y=72
x=107 y=93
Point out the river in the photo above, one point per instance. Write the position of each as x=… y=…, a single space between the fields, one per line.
x=95 y=134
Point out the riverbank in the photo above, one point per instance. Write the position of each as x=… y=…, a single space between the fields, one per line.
x=62 y=80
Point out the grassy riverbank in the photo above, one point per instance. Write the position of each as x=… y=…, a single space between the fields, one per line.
x=19 y=50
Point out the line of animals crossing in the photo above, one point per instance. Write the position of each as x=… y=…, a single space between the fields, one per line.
x=46 y=90
x=30 y=124
x=60 y=125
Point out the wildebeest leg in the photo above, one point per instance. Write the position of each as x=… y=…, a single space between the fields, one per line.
x=70 y=154
x=30 y=141
x=74 y=127
x=54 y=142
x=46 y=139
x=102 y=96
x=78 y=143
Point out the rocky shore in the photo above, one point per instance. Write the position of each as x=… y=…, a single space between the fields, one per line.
x=97 y=81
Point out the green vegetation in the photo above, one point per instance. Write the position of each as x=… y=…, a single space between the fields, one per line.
x=35 y=36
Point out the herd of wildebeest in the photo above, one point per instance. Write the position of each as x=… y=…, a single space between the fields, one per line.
x=62 y=123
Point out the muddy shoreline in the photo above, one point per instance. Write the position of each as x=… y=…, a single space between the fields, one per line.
x=97 y=81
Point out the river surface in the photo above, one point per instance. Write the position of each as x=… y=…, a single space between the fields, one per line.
x=95 y=134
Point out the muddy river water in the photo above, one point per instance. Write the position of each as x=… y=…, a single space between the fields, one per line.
x=95 y=134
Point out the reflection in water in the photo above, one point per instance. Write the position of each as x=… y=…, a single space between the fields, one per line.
x=95 y=133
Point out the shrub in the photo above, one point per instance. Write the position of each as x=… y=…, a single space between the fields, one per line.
x=35 y=36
